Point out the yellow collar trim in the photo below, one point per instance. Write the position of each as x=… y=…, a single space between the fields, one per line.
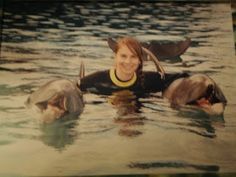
x=119 y=83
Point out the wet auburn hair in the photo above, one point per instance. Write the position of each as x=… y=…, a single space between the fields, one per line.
x=136 y=48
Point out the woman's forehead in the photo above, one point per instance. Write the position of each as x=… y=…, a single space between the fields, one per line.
x=125 y=49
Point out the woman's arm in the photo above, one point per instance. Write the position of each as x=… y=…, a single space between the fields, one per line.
x=154 y=82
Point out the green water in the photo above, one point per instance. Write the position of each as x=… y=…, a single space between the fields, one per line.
x=44 y=41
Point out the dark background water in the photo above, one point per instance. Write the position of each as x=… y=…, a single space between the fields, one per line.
x=46 y=40
x=233 y=5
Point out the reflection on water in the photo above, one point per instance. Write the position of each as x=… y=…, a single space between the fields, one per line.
x=206 y=122
x=209 y=168
x=128 y=113
x=58 y=134
x=120 y=133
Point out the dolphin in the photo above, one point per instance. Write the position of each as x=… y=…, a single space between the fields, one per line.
x=199 y=90
x=57 y=98
x=171 y=50
x=163 y=51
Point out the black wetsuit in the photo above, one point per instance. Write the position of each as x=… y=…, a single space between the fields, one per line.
x=101 y=82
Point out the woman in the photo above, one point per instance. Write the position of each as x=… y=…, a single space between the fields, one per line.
x=127 y=73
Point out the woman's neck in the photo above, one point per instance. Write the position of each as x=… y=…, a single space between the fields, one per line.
x=122 y=76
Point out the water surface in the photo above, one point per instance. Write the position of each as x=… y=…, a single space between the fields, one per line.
x=113 y=135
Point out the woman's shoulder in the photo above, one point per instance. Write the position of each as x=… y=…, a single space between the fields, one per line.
x=96 y=75
x=94 y=79
x=150 y=75
x=168 y=75
x=152 y=78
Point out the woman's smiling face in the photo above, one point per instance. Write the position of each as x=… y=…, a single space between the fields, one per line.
x=126 y=63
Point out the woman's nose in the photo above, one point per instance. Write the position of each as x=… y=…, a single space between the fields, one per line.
x=128 y=60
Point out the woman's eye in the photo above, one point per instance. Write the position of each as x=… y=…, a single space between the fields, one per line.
x=123 y=56
x=134 y=57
